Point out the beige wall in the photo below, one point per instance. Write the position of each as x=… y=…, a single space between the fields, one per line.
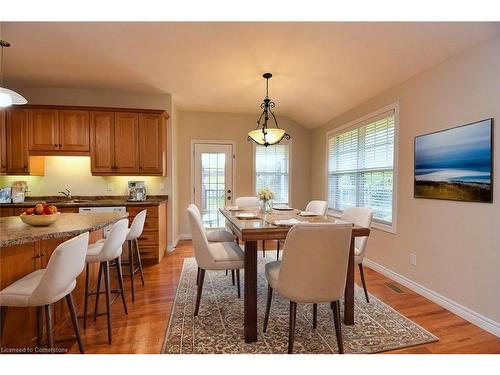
x=234 y=127
x=457 y=244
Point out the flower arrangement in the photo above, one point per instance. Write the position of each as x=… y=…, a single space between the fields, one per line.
x=266 y=196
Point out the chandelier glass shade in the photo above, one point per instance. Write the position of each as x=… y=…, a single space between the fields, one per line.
x=263 y=134
x=8 y=97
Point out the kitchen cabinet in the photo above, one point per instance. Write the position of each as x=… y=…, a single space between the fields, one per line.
x=152 y=138
x=55 y=132
x=3 y=142
x=74 y=131
x=102 y=142
x=126 y=143
x=43 y=130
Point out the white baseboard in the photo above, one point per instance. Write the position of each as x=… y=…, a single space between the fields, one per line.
x=184 y=236
x=462 y=311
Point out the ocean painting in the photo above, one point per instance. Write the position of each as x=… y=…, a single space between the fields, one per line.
x=455 y=164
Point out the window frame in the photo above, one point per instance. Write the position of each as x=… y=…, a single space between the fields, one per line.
x=290 y=161
x=358 y=123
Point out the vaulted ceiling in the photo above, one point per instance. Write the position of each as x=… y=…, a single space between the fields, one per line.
x=319 y=69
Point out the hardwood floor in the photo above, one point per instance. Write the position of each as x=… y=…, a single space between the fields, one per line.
x=143 y=330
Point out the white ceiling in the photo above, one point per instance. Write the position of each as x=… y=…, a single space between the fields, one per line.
x=319 y=69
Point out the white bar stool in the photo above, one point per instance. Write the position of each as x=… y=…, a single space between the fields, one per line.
x=44 y=287
x=104 y=252
x=133 y=234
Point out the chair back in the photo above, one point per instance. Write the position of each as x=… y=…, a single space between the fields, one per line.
x=64 y=266
x=246 y=202
x=137 y=225
x=199 y=237
x=314 y=265
x=361 y=216
x=112 y=247
x=317 y=207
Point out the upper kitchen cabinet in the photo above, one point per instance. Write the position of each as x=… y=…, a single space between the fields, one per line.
x=3 y=142
x=74 y=131
x=128 y=143
x=152 y=140
x=58 y=131
x=18 y=158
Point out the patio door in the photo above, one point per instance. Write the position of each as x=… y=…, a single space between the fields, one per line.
x=213 y=180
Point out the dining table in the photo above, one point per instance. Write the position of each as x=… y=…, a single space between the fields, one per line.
x=259 y=226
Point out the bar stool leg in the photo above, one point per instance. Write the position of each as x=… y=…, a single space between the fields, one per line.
x=74 y=321
x=48 y=320
x=118 y=262
x=108 y=297
x=85 y=304
x=139 y=261
x=39 y=326
x=232 y=276
x=131 y=267
x=238 y=282
x=98 y=290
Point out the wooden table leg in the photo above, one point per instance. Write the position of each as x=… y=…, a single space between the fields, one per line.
x=349 y=288
x=250 y=314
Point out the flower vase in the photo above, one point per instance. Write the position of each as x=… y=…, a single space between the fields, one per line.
x=265 y=205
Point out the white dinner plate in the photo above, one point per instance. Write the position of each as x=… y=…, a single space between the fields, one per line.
x=283 y=208
x=246 y=215
x=307 y=214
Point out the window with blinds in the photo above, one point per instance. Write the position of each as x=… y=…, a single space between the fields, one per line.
x=360 y=167
x=272 y=170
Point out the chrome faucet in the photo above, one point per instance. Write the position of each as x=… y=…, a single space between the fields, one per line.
x=66 y=193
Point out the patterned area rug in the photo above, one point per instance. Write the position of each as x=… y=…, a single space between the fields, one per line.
x=219 y=325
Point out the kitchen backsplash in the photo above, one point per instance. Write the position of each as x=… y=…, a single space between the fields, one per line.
x=73 y=172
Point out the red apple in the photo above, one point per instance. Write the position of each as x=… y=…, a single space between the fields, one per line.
x=46 y=210
x=30 y=211
x=53 y=209
x=39 y=209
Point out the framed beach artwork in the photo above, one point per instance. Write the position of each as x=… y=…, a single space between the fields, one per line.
x=456 y=164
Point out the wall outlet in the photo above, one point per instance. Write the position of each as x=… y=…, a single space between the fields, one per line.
x=162 y=187
x=110 y=186
x=413 y=259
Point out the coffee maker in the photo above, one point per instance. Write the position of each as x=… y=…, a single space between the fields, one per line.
x=136 y=191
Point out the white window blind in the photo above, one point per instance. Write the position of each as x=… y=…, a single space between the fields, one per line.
x=272 y=170
x=360 y=167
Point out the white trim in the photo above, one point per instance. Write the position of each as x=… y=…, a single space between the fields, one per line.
x=352 y=124
x=290 y=163
x=214 y=142
x=184 y=236
x=472 y=316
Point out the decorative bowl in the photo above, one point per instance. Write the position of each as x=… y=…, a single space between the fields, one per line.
x=39 y=220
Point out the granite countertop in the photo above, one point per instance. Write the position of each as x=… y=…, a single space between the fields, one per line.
x=15 y=232
x=87 y=201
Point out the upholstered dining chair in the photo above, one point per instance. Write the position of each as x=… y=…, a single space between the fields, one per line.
x=317 y=275
x=212 y=256
x=315 y=207
x=249 y=202
x=217 y=235
x=44 y=287
x=361 y=216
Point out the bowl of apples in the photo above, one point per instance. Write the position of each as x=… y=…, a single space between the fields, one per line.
x=41 y=215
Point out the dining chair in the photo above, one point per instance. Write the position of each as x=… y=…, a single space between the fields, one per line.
x=106 y=252
x=317 y=275
x=212 y=256
x=249 y=202
x=361 y=216
x=316 y=207
x=44 y=287
x=217 y=235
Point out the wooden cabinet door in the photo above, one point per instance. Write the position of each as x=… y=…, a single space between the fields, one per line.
x=17 y=141
x=74 y=131
x=102 y=142
x=126 y=143
x=3 y=142
x=43 y=130
x=151 y=141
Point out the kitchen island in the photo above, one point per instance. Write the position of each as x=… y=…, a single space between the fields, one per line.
x=24 y=249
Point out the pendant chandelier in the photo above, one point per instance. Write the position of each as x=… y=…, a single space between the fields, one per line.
x=264 y=135
x=7 y=97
